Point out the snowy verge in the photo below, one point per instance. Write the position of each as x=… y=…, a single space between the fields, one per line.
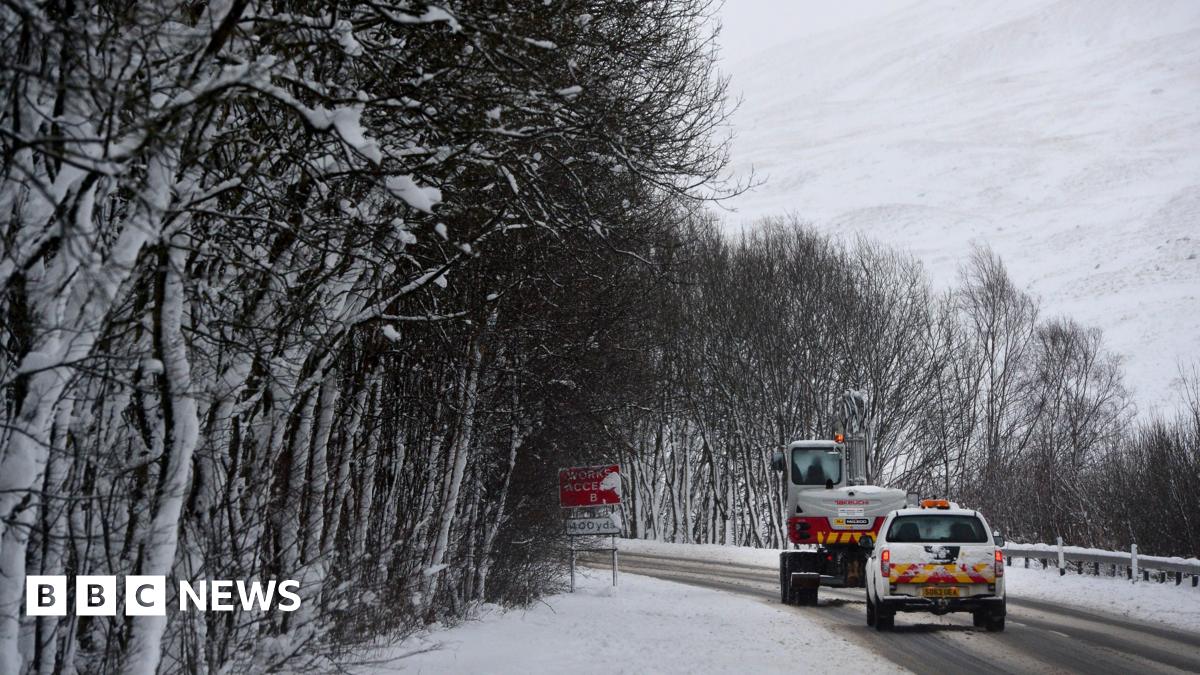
x=1168 y=604
x=1052 y=550
x=643 y=626
x=738 y=555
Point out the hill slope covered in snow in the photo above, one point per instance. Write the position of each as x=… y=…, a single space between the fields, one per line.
x=1063 y=133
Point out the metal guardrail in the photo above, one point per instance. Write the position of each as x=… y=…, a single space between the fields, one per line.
x=1135 y=566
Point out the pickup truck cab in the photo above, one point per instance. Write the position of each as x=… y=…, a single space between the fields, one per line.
x=938 y=558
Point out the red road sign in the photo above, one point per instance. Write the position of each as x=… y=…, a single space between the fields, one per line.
x=589 y=486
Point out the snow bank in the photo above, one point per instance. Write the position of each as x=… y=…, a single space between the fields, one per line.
x=1176 y=606
x=643 y=626
x=738 y=555
x=1052 y=551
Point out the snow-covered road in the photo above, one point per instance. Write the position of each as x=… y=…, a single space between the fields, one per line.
x=1041 y=636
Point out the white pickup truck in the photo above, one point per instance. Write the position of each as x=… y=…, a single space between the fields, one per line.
x=938 y=558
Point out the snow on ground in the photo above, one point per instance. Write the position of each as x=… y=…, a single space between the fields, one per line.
x=1063 y=133
x=738 y=555
x=1177 y=606
x=652 y=626
x=643 y=626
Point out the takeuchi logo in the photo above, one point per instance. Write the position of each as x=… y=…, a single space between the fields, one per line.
x=146 y=595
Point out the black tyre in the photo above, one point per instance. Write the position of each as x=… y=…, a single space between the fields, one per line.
x=798 y=561
x=995 y=624
x=979 y=618
x=808 y=561
x=884 y=621
x=811 y=562
x=870 y=611
x=785 y=575
x=807 y=598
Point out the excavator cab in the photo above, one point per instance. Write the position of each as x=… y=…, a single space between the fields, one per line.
x=830 y=506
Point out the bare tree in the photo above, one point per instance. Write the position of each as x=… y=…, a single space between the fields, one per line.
x=289 y=290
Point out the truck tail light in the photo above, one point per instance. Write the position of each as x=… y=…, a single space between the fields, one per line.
x=885 y=562
x=999 y=563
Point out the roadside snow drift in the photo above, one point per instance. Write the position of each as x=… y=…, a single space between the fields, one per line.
x=643 y=626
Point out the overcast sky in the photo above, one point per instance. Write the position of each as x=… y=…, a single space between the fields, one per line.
x=750 y=26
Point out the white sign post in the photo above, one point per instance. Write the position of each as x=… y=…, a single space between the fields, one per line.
x=1133 y=566
x=1062 y=569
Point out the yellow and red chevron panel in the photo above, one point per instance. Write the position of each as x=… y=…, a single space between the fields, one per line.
x=834 y=537
x=818 y=531
x=931 y=573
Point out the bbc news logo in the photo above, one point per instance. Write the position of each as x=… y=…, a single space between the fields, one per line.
x=147 y=595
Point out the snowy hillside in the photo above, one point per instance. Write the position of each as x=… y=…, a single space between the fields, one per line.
x=1065 y=134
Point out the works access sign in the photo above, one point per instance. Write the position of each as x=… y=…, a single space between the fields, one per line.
x=589 y=486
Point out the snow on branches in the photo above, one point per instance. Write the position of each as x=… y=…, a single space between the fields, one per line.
x=210 y=213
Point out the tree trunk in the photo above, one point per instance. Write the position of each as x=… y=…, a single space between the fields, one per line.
x=180 y=426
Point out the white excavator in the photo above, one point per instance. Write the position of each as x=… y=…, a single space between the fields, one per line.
x=830 y=507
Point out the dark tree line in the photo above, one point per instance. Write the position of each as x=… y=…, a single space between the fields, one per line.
x=322 y=291
x=974 y=395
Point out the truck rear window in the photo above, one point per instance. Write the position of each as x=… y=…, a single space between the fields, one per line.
x=937 y=529
x=814 y=466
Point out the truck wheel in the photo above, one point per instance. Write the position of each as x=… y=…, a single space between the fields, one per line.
x=811 y=562
x=884 y=621
x=995 y=624
x=979 y=618
x=798 y=561
x=808 y=598
x=870 y=611
x=802 y=597
x=785 y=575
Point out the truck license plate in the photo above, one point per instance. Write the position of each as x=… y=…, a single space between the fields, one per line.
x=940 y=591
